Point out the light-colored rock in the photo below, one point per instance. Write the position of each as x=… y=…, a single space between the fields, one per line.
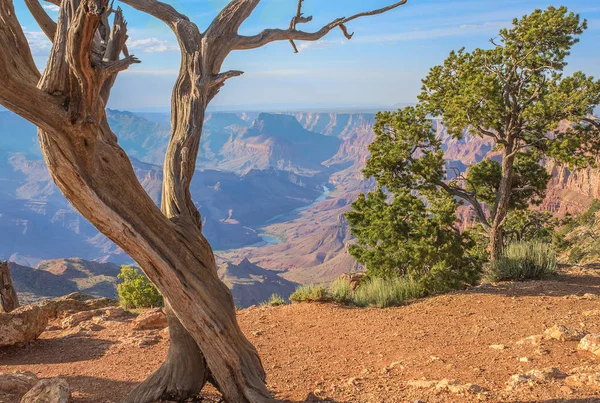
x=49 y=391
x=17 y=382
x=422 y=384
x=498 y=346
x=563 y=333
x=533 y=340
x=525 y=359
x=590 y=343
x=546 y=374
x=22 y=325
x=581 y=380
x=534 y=376
x=153 y=319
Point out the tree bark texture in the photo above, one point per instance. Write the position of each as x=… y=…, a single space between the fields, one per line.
x=8 y=296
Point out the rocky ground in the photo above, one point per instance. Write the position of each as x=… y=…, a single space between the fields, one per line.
x=527 y=342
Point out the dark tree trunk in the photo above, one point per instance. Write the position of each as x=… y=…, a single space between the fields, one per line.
x=502 y=205
x=8 y=296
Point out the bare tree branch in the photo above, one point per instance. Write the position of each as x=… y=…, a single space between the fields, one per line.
x=470 y=198
x=47 y=24
x=158 y=9
x=291 y=34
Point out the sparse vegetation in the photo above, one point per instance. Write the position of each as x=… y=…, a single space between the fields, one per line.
x=136 y=291
x=521 y=261
x=341 y=291
x=310 y=293
x=384 y=293
x=275 y=300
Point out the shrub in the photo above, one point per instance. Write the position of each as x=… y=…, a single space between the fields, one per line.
x=341 y=291
x=309 y=293
x=275 y=300
x=136 y=291
x=384 y=293
x=523 y=261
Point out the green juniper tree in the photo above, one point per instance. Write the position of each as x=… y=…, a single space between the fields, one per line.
x=406 y=227
x=516 y=95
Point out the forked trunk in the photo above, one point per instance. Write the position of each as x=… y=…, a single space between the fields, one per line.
x=174 y=254
x=8 y=296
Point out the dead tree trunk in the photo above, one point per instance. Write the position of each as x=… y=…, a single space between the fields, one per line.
x=67 y=103
x=8 y=296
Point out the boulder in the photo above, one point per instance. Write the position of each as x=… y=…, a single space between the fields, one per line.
x=22 y=325
x=154 y=319
x=49 y=391
x=17 y=382
x=563 y=333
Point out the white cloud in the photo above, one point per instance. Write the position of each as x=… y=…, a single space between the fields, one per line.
x=321 y=44
x=152 y=45
x=38 y=42
x=51 y=7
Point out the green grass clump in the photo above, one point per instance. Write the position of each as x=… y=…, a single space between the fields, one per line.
x=523 y=261
x=275 y=300
x=383 y=293
x=136 y=291
x=341 y=291
x=309 y=293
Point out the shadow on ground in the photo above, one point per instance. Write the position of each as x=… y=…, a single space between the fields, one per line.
x=55 y=351
x=587 y=281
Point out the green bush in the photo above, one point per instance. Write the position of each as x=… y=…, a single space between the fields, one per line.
x=136 y=291
x=309 y=293
x=384 y=293
x=341 y=291
x=275 y=300
x=523 y=261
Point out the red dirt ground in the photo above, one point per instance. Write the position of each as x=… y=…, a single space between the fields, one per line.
x=315 y=352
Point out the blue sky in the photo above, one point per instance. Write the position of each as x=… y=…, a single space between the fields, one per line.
x=380 y=67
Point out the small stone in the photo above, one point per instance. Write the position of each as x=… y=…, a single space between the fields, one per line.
x=563 y=333
x=590 y=343
x=422 y=384
x=153 y=319
x=566 y=389
x=525 y=359
x=498 y=346
x=533 y=340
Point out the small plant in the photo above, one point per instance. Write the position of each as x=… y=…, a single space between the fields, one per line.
x=523 y=261
x=341 y=291
x=309 y=293
x=136 y=291
x=384 y=293
x=275 y=300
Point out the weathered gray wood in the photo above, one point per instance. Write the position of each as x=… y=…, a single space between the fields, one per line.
x=8 y=295
x=67 y=103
